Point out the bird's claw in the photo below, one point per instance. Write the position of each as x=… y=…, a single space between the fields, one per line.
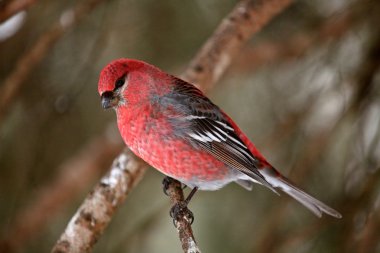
x=180 y=210
x=165 y=184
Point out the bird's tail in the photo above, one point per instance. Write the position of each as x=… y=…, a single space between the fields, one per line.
x=311 y=203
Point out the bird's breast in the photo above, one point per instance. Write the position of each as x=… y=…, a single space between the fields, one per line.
x=153 y=139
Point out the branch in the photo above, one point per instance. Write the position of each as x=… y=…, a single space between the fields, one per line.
x=11 y=8
x=367 y=73
x=182 y=224
x=74 y=176
x=247 y=18
x=25 y=65
x=205 y=69
x=97 y=210
x=369 y=237
x=359 y=101
x=296 y=45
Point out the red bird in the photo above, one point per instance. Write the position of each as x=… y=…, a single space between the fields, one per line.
x=175 y=128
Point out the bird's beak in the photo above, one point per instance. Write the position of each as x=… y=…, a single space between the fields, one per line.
x=109 y=99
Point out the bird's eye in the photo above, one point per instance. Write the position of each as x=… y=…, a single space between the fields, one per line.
x=119 y=82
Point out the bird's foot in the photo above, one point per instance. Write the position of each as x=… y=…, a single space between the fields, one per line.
x=180 y=210
x=165 y=184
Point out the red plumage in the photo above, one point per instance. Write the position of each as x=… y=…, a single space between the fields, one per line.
x=174 y=127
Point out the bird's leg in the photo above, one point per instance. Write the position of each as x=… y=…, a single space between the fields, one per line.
x=180 y=208
x=191 y=194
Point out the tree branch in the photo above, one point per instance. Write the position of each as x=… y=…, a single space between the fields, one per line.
x=75 y=175
x=25 y=65
x=97 y=210
x=296 y=45
x=182 y=224
x=359 y=100
x=247 y=18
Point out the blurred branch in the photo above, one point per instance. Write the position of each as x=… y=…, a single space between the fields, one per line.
x=288 y=125
x=10 y=8
x=361 y=201
x=308 y=159
x=364 y=81
x=214 y=57
x=75 y=176
x=26 y=64
x=89 y=222
x=247 y=18
x=296 y=45
x=366 y=74
x=369 y=234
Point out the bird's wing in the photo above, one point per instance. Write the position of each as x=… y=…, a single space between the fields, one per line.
x=201 y=122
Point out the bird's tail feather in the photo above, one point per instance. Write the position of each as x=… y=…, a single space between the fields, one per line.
x=311 y=203
x=314 y=205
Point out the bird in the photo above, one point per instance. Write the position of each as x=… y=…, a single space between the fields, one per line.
x=175 y=128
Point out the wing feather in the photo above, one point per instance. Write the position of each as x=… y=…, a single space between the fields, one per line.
x=204 y=125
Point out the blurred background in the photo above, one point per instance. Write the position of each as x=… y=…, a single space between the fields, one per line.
x=305 y=90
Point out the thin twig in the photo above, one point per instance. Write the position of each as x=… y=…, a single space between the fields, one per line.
x=25 y=65
x=206 y=68
x=182 y=223
x=89 y=222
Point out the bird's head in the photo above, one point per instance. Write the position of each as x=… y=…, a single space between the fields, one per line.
x=129 y=82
